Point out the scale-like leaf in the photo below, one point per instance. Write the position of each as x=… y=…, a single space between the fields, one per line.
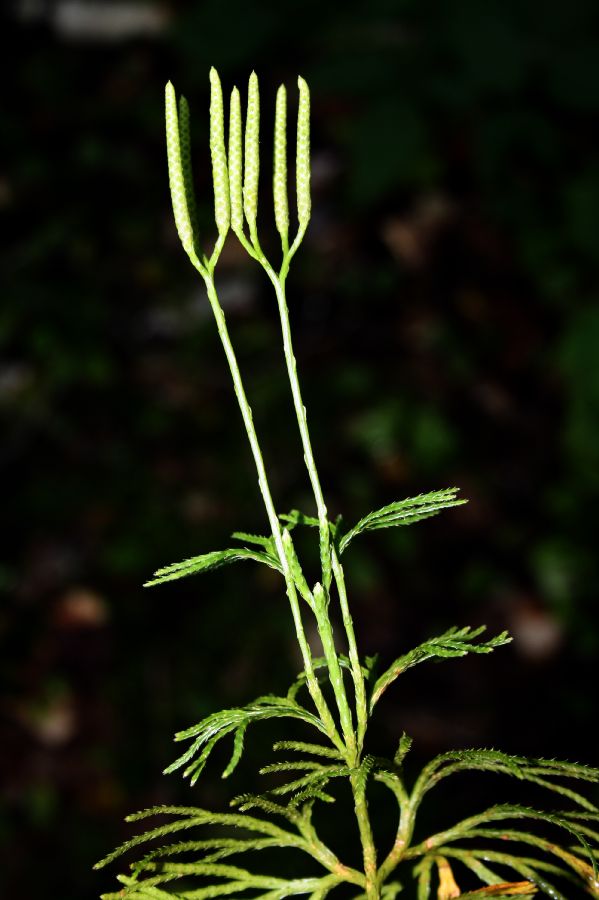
x=454 y=642
x=404 y=512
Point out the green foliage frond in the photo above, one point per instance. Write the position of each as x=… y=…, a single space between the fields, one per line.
x=580 y=867
x=264 y=802
x=302 y=747
x=403 y=512
x=531 y=868
x=150 y=811
x=452 y=643
x=159 y=832
x=405 y=745
x=295 y=517
x=237 y=750
x=259 y=539
x=576 y=814
x=536 y=771
x=213 y=848
x=222 y=879
x=537 y=869
x=207 y=733
x=208 y=561
x=517 y=765
x=193 y=817
x=309 y=795
x=137 y=892
x=295 y=568
x=475 y=826
x=362 y=774
x=294 y=765
x=496 y=886
x=316 y=779
x=308 y=787
x=234 y=880
x=471 y=861
x=391 y=889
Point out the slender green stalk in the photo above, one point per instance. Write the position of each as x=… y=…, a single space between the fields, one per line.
x=321 y=609
x=275 y=526
x=300 y=412
x=329 y=560
x=325 y=631
x=354 y=658
x=250 y=197
x=328 y=557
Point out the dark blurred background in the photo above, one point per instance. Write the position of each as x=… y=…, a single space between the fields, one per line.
x=447 y=332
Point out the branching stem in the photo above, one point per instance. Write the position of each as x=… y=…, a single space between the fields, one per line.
x=366 y=837
x=329 y=559
x=405 y=827
x=328 y=564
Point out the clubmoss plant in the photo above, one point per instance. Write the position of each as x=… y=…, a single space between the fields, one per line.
x=507 y=849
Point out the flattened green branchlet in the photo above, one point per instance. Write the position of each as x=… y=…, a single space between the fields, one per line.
x=336 y=752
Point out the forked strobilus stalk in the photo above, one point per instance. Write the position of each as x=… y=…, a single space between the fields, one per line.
x=487 y=852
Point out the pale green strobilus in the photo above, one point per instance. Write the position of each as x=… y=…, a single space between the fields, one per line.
x=505 y=850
